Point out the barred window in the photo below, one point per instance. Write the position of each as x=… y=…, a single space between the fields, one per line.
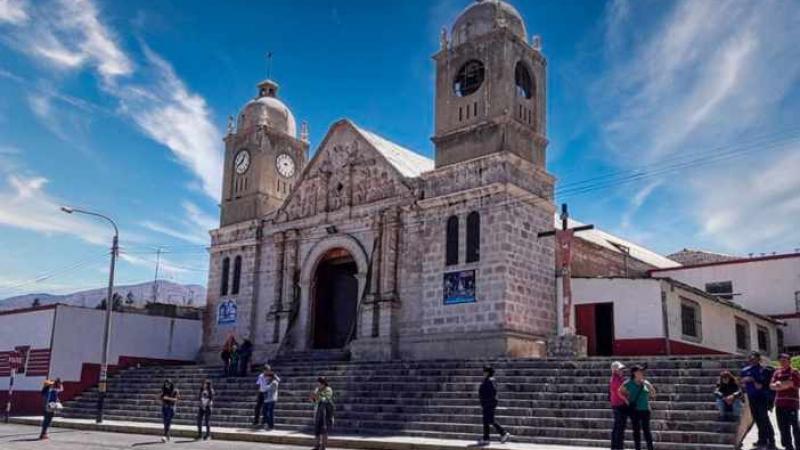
x=742 y=335
x=691 y=323
x=763 y=339
x=469 y=79
x=237 y=275
x=451 y=241
x=473 y=237
x=226 y=268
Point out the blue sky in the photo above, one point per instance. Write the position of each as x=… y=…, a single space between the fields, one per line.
x=120 y=107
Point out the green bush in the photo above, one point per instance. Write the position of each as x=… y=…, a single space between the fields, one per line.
x=796 y=362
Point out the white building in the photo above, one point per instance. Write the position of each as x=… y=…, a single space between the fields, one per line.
x=60 y=341
x=648 y=316
x=769 y=285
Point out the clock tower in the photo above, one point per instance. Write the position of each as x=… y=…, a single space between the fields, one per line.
x=263 y=157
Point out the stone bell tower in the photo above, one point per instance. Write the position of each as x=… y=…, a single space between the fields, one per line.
x=490 y=87
x=263 y=157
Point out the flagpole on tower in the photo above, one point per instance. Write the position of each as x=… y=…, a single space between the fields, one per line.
x=269 y=65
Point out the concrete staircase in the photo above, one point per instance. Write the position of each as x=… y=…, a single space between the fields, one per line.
x=552 y=401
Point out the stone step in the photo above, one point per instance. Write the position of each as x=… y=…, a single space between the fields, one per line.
x=453 y=430
x=555 y=401
x=526 y=420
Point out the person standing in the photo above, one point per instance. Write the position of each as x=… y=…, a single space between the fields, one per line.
x=206 y=398
x=227 y=353
x=487 y=393
x=637 y=393
x=270 y=399
x=729 y=397
x=756 y=379
x=786 y=384
x=245 y=354
x=323 y=412
x=262 y=382
x=169 y=401
x=618 y=406
x=50 y=392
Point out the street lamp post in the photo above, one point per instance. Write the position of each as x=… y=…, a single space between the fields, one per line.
x=109 y=307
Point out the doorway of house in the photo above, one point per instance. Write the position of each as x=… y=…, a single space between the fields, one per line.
x=335 y=300
x=596 y=322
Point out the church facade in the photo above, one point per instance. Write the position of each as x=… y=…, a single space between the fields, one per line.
x=373 y=249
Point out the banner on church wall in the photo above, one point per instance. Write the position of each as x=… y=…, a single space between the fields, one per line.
x=459 y=287
x=227 y=312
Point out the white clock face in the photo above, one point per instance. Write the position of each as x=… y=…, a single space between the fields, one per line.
x=285 y=165
x=242 y=161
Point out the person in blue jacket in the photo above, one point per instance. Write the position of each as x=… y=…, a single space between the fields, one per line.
x=755 y=379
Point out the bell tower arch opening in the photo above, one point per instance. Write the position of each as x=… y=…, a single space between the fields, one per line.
x=334 y=300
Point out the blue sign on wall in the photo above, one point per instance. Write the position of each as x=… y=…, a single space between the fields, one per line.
x=226 y=312
x=459 y=287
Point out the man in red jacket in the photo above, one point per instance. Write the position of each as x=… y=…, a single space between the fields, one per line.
x=786 y=384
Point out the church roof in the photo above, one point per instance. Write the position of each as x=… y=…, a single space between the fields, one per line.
x=619 y=245
x=409 y=163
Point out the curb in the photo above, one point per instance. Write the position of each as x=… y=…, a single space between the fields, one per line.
x=362 y=443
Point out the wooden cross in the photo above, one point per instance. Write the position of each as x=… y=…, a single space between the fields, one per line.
x=564 y=256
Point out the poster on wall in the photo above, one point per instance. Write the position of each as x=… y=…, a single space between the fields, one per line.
x=459 y=287
x=226 y=312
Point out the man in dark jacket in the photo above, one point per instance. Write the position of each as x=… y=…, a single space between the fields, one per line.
x=488 y=396
x=755 y=382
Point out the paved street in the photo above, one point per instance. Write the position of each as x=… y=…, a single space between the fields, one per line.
x=24 y=437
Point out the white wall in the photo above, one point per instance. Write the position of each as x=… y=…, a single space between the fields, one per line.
x=637 y=304
x=718 y=322
x=766 y=286
x=79 y=334
x=32 y=328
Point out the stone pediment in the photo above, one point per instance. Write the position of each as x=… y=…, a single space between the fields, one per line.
x=352 y=167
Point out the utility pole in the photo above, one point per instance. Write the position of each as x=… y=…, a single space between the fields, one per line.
x=103 y=381
x=564 y=254
x=155 y=278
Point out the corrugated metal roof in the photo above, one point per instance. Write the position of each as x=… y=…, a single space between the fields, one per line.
x=616 y=244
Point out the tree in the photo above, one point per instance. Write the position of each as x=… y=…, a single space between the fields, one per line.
x=117 y=301
x=102 y=304
x=129 y=300
x=36 y=303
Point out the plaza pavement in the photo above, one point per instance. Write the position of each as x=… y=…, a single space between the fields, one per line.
x=105 y=435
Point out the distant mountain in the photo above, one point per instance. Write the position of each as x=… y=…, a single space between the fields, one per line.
x=139 y=295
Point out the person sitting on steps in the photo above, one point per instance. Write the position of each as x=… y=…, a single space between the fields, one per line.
x=729 y=397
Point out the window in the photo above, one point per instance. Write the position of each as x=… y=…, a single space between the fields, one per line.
x=742 y=335
x=451 y=257
x=721 y=289
x=522 y=79
x=780 y=339
x=473 y=237
x=237 y=275
x=763 y=339
x=226 y=268
x=469 y=79
x=691 y=324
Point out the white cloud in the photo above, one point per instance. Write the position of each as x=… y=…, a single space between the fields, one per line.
x=13 y=11
x=707 y=75
x=169 y=113
x=70 y=35
x=25 y=204
x=193 y=229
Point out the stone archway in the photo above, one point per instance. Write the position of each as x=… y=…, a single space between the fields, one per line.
x=338 y=259
x=334 y=300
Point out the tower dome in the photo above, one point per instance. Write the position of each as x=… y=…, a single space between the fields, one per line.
x=266 y=109
x=484 y=16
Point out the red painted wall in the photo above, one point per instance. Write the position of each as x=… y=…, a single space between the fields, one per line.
x=30 y=402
